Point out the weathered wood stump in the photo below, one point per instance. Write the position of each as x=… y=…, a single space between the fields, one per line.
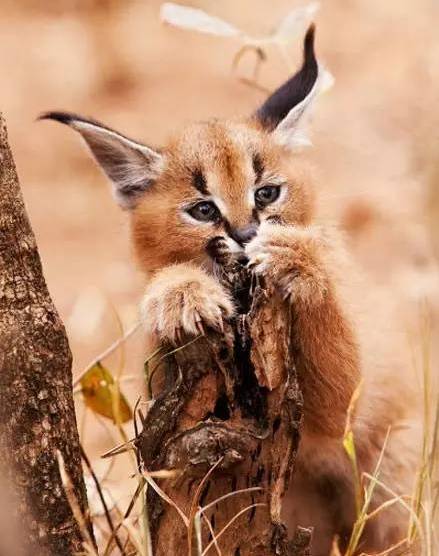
x=229 y=418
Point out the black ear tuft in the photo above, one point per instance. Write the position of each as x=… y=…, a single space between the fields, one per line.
x=62 y=117
x=70 y=118
x=293 y=91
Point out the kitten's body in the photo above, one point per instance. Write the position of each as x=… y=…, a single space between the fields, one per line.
x=238 y=187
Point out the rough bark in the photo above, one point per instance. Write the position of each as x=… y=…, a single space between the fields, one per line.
x=37 y=415
x=231 y=400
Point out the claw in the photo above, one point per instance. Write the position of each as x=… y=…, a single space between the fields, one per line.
x=254 y=262
x=179 y=335
x=254 y=282
x=199 y=324
x=221 y=324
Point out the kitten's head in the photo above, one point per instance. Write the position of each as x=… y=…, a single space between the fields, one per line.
x=213 y=179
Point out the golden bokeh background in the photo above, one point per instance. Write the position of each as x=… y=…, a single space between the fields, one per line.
x=375 y=134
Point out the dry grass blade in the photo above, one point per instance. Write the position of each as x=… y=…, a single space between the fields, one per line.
x=387 y=504
x=434 y=444
x=135 y=538
x=400 y=500
x=192 y=511
x=361 y=520
x=198 y=534
x=349 y=446
x=228 y=495
x=165 y=473
x=352 y=403
x=212 y=532
x=389 y=550
x=146 y=530
x=107 y=352
x=423 y=518
x=102 y=499
x=150 y=374
x=164 y=496
x=224 y=529
x=201 y=512
x=74 y=505
x=139 y=489
x=115 y=400
x=260 y=58
x=192 y=19
x=146 y=371
x=119 y=449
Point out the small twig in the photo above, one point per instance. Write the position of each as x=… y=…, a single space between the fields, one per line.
x=102 y=499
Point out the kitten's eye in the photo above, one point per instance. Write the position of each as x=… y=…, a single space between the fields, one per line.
x=266 y=195
x=204 y=212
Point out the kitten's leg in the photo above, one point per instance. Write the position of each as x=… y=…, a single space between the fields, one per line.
x=300 y=261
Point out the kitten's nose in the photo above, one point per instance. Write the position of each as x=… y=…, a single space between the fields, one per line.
x=245 y=234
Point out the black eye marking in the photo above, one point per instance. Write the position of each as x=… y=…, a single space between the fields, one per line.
x=199 y=182
x=205 y=211
x=258 y=167
x=266 y=195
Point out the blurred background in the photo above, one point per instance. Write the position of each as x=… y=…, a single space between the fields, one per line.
x=375 y=133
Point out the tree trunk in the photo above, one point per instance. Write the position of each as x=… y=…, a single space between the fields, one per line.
x=230 y=419
x=37 y=415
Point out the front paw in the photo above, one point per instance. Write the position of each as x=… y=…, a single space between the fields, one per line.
x=183 y=299
x=290 y=258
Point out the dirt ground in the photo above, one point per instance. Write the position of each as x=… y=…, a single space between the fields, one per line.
x=375 y=135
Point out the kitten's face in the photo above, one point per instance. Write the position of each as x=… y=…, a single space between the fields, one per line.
x=219 y=179
x=214 y=179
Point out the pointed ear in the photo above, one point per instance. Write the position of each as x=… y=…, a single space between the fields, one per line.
x=286 y=108
x=130 y=166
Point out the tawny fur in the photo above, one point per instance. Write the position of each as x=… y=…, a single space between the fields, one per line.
x=305 y=261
